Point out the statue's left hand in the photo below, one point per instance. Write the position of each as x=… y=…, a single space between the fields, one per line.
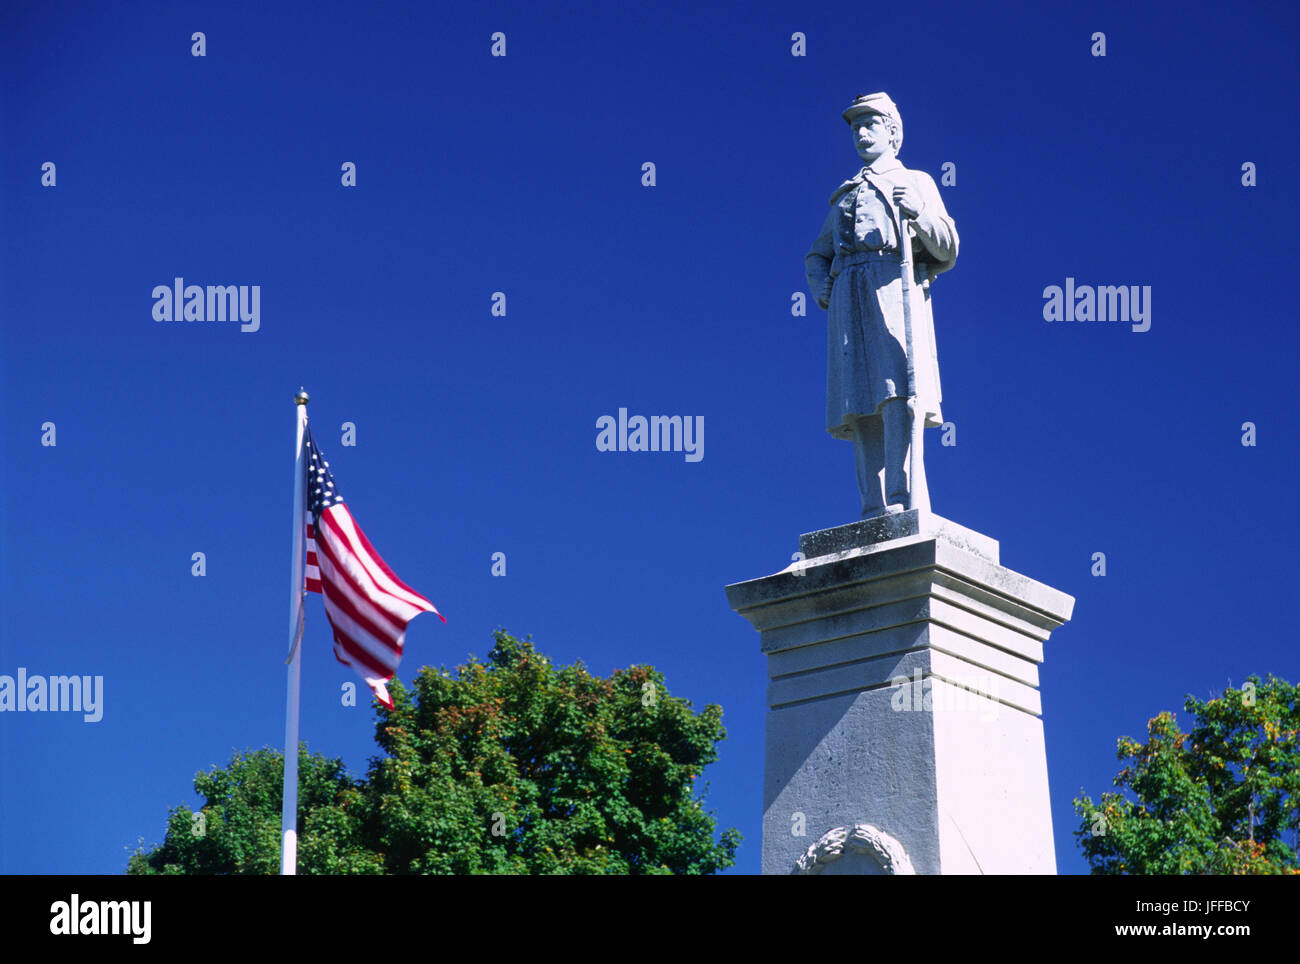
x=909 y=200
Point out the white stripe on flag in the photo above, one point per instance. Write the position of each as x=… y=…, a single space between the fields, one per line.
x=376 y=572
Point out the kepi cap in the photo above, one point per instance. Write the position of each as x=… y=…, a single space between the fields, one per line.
x=877 y=103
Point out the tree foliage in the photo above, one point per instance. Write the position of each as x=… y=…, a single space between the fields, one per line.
x=237 y=830
x=507 y=766
x=1221 y=799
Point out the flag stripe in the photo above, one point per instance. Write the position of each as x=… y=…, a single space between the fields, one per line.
x=344 y=591
x=385 y=650
x=312 y=570
x=348 y=650
x=358 y=618
x=368 y=606
x=339 y=607
x=378 y=570
x=374 y=678
x=350 y=560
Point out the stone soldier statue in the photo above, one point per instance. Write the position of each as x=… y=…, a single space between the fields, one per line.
x=855 y=272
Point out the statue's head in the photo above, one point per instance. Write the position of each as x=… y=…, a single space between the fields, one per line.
x=876 y=125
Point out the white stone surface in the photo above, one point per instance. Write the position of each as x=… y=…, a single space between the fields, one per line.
x=903 y=696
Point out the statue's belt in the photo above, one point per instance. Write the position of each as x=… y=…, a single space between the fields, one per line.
x=847 y=259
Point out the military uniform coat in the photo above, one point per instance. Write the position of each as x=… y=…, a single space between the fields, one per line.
x=854 y=267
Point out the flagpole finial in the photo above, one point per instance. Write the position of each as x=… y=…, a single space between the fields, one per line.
x=301 y=397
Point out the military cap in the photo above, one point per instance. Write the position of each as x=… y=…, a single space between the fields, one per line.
x=878 y=103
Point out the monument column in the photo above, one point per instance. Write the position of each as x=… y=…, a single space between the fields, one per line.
x=904 y=729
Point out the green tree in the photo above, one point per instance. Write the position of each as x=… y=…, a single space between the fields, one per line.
x=237 y=830
x=507 y=766
x=1220 y=799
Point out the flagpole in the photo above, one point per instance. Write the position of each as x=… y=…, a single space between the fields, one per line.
x=289 y=816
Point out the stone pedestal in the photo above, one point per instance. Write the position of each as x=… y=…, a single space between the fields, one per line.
x=904 y=729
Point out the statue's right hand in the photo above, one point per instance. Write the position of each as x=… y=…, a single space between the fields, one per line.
x=824 y=297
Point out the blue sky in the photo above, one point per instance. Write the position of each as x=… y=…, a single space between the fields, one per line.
x=476 y=434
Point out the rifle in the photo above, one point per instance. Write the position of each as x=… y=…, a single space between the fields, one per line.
x=917 y=491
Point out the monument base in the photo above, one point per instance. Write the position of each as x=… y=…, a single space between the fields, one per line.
x=904 y=729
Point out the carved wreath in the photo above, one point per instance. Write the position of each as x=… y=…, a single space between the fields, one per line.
x=861 y=838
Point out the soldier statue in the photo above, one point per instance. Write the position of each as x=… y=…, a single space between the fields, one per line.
x=886 y=237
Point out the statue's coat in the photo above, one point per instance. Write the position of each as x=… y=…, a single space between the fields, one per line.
x=866 y=342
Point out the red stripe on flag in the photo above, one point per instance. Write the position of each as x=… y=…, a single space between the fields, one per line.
x=346 y=592
x=368 y=606
x=312 y=571
x=351 y=563
x=370 y=571
x=358 y=658
x=383 y=566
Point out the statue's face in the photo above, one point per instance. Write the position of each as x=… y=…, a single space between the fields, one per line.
x=870 y=136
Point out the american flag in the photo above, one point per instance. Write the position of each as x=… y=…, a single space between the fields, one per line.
x=367 y=605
